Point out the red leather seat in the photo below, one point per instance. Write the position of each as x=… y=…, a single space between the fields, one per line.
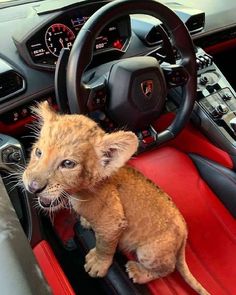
x=211 y=248
x=52 y=270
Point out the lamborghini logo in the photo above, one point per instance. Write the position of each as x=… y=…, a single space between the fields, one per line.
x=147 y=88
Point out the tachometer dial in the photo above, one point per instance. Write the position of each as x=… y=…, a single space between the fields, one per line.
x=58 y=36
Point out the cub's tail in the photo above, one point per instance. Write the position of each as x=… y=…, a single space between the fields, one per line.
x=183 y=269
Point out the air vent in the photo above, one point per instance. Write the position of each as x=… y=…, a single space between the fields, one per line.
x=149 y=29
x=154 y=36
x=11 y=83
x=196 y=23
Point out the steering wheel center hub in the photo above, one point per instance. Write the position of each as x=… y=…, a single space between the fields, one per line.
x=137 y=91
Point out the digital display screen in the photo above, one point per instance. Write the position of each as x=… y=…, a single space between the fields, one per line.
x=79 y=21
x=45 y=46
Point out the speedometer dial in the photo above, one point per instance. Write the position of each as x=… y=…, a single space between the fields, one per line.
x=58 y=36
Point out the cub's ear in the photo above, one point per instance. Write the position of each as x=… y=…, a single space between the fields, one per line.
x=115 y=150
x=44 y=112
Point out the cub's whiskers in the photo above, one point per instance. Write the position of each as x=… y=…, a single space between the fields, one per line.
x=67 y=195
x=14 y=179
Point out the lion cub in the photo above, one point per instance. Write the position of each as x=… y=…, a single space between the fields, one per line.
x=74 y=160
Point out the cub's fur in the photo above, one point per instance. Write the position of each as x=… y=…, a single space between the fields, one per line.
x=75 y=159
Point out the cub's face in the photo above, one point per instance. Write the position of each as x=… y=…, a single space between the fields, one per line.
x=72 y=154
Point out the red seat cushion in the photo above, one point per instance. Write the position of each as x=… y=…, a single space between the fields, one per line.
x=211 y=248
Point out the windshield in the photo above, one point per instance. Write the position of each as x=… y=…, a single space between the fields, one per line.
x=8 y=3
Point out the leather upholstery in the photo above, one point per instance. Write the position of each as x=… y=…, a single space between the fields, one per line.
x=221 y=180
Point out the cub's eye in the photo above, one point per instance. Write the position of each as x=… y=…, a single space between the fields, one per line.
x=38 y=153
x=68 y=164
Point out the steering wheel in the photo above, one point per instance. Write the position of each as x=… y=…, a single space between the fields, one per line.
x=127 y=80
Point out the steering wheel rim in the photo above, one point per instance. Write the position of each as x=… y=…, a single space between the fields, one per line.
x=82 y=52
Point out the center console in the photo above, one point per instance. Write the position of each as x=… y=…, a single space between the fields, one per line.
x=215 y=108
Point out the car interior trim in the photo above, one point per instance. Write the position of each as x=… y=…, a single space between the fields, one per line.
x=51 y=269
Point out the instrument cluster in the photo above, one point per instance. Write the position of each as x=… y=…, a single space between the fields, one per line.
x=45 y=45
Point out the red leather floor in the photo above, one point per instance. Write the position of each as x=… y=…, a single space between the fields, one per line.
x=211 y=248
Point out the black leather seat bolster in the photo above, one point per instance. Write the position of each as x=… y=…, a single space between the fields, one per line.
x=221 y=180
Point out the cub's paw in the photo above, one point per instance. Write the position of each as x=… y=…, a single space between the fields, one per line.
x=138 y=273
x=84 y=223
x=95 y=266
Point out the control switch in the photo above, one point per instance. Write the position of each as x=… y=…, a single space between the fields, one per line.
x=226 y=96
x=232 y=123
x=203 y=80
x=222 y=109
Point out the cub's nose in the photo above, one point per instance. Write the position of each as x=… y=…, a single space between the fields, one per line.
x=34 y=187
